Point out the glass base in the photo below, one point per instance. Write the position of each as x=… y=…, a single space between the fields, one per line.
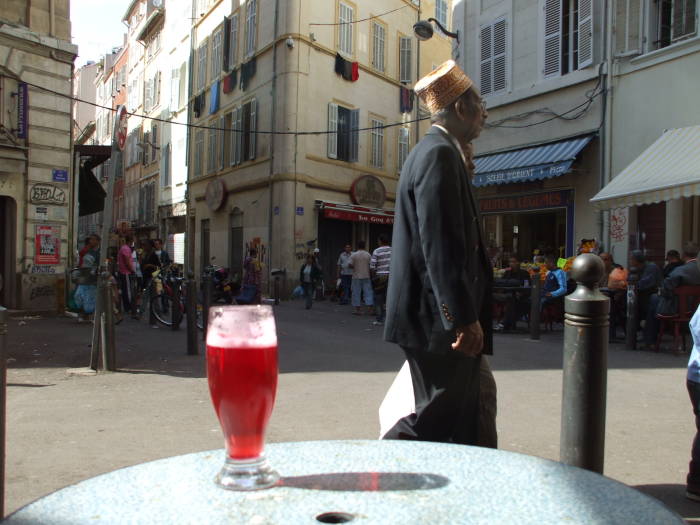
x=246 y=474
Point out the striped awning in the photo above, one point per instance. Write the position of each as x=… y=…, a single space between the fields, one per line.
x=526 y=164
x=666 y=170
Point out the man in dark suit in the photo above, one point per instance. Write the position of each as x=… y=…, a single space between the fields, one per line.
x=438 y=306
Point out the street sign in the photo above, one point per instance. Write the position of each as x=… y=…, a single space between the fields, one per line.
x=300 y=210
x=120 y=130
x=59 y=175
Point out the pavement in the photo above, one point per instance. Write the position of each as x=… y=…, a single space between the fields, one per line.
x=334 y=371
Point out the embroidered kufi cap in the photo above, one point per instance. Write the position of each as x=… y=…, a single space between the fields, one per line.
x=442 y=86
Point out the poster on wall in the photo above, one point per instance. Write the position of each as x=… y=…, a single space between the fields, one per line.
x=47 y=244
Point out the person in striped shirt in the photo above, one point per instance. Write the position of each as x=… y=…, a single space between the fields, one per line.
x=379 y=266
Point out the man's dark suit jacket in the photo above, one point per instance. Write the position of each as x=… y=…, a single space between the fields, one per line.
x=440 y=272
x=686 y=275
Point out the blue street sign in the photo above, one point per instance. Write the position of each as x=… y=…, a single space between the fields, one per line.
x=60 y=175
x=277 y=210
x=300 y=210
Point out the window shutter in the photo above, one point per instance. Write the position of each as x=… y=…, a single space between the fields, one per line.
x=222 y=143
x=690 y=10
x=486 y=70
x=405 y=59
x=146 y=148
x=157 y=88
x=227 y=44
x=238 y=135
x=354 y=134
x=233 y=41
x=253 y=128
x=585 y=33
x=174 y=89
x=333 y=130
x=500 y=38
x=164 y=166
x=552 y=38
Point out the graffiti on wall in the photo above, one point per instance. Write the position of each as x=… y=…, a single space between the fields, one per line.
x=618 y=225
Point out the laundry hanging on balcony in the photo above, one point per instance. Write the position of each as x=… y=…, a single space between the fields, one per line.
x=348 y=70
x=405 y=100
x=247 y=72
x=230 y=81
x=214 y=99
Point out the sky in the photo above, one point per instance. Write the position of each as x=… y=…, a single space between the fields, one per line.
x=96 y=27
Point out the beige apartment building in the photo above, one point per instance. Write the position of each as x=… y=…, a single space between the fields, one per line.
x=36 y=185
x=303 y=116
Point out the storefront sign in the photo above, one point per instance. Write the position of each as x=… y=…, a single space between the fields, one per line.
x=536 y=201
x=47 y=244
x=59 y=175
x=22 y=105
x=345 y=215
x=215 y=194
x=47 y=194
x=523 y=174
x=368 y=190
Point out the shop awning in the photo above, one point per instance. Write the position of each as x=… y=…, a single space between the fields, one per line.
x=543 y=161
x=351 y=212
x=668 y=169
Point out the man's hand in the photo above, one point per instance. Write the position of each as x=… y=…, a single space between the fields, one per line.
x=470 y=339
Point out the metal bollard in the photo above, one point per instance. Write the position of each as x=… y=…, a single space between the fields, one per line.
x=632 y=311
x=107 y=327
x=175 y=312
x=97 y=326
x=3 y=402
x=586 y=324
x=535 y=307
x=206 y=301
x=191 y=312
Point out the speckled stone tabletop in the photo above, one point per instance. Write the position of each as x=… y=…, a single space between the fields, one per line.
x=383 y=482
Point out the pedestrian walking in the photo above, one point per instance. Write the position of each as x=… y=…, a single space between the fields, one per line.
x=345 y=274
x=438 y=304
x=693 y=384
x=379 y=266
x=163 y=255
x=252 y=269
x=86 y=292
x=361 y=283
x=126 y=272
x=309 y=277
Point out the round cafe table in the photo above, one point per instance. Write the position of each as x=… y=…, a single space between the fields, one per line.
x=358 y=482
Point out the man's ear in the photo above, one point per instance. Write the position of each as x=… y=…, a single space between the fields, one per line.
x=462 y=108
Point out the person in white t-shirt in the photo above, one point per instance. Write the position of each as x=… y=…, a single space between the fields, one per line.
x=361 y=282
x=345 y=274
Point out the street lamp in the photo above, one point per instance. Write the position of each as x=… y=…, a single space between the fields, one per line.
x=423 y=30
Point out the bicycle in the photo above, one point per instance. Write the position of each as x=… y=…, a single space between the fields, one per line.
x=162 y=297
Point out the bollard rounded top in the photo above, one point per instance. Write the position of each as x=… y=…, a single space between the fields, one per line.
x=588 y=269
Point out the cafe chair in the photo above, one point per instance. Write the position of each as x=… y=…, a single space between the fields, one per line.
x=688 y=298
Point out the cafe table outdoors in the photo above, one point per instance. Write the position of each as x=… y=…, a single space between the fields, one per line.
x=381 y=482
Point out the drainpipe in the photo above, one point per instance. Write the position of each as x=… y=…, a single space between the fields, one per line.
x=273 y=117
x=606 y=132
x=52 y=17
x=189 y=266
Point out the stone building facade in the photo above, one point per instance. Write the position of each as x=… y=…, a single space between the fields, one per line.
x=36 y=185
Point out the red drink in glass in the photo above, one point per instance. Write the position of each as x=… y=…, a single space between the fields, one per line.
x=243 y=383
x=242 y=373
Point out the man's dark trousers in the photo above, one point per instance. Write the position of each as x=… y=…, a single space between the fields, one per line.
x=694 y=468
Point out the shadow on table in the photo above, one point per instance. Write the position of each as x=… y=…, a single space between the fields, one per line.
x=673 y=496
x=366 y=481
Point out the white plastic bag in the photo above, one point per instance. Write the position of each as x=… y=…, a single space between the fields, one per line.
x=398 y=401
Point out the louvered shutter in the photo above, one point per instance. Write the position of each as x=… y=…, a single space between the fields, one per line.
x=628 y=26
x=405 y=59
x=253 y=128
x=585 y=33
x=227 y=44
x=332 y=131
x=552 y=38
x=500 y=37
x=354 y=135
x=237 y=114
x=222 y=143
x=486 y=71
x=690 y=10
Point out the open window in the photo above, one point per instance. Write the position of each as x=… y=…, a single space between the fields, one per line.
x=343 y=136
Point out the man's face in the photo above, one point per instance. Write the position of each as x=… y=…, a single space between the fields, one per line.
x=348 y=248
x=94 y=242
x=157 y=245
x=550 y=265
x=472 y=113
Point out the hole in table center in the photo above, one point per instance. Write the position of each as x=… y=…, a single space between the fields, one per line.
x=335 y=517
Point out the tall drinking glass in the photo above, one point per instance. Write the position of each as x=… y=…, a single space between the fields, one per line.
x=242 y=373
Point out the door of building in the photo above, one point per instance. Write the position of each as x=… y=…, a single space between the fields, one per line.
x=651 y=232
x=235 y=248
x=333 y=235
x=8 y=229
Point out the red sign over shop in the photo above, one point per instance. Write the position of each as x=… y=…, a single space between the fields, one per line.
x=345 y=212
